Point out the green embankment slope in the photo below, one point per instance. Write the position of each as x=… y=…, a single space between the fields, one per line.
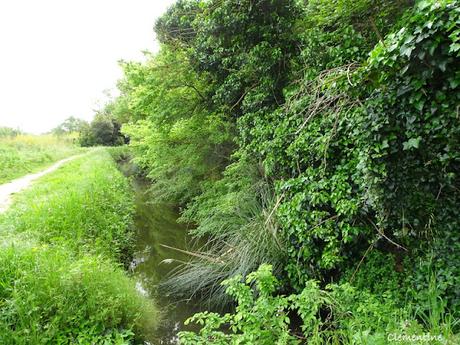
x=64 y=241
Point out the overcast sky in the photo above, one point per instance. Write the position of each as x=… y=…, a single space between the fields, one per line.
x=58 y=56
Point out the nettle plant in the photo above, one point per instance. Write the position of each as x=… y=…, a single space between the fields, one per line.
x=260 y=317
x=336 y=314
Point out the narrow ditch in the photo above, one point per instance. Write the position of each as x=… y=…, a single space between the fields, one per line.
x=156 y=225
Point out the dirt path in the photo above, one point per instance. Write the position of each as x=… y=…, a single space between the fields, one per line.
x=10 y=188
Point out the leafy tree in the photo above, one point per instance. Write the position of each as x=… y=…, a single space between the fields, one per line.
x=176 y=25
x=103 y=130
x=70 y=125
x=179 y=138
x=9 y=132
x=86 y=137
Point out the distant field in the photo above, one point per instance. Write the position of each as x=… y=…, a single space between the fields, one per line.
x=22 y=154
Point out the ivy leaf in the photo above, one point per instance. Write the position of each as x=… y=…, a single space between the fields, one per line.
x=424 y=4
x=454 y=47
x=419 y=104
x=454 y=82
x=412 y=143
x=406 y=50
x=442 y=65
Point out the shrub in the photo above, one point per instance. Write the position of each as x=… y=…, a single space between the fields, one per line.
x=371 y=159
x=103 y=130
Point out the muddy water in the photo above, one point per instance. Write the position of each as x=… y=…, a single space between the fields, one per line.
x=156 y=224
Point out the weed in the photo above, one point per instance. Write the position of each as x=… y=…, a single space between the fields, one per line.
x=47 y=296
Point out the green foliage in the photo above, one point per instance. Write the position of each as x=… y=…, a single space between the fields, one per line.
x=9 y=132
x=383 y=273
x=411 y=169
x=236 y=219
x=339 y=314
x=365 y=157
x=253 y=321
x=435 y=265
x=176 y=139
x=103 y=130
x=22 y=154
x=120 y=153
x=176 y=25
x=320 y=137
x=70 y=125
x=237 y=53
x=246 y=49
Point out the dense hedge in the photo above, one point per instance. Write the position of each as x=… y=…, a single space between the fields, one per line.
x=321 y=137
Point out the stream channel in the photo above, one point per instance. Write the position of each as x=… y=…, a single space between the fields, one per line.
x=156 y=225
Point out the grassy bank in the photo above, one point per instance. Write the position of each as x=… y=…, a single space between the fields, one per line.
x=86 y=206
x=23 y=154
x=64 y=242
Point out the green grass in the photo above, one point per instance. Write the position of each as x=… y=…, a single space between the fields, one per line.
x=86 y=205
x=49 y=297
x=62 y=246
x=24 y=154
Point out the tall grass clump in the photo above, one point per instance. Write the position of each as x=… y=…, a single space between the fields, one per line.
x=22 y=154
x=120 y=153
x=47 y=296
x=85 y=205
x=237 y=222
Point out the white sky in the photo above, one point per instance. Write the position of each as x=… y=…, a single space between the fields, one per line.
x=58 y=56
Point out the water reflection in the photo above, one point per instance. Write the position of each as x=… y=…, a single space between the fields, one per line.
x=156 y=225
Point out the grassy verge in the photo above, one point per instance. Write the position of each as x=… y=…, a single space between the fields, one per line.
x=61 y=280
x=23 y=154
x=86 y=205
